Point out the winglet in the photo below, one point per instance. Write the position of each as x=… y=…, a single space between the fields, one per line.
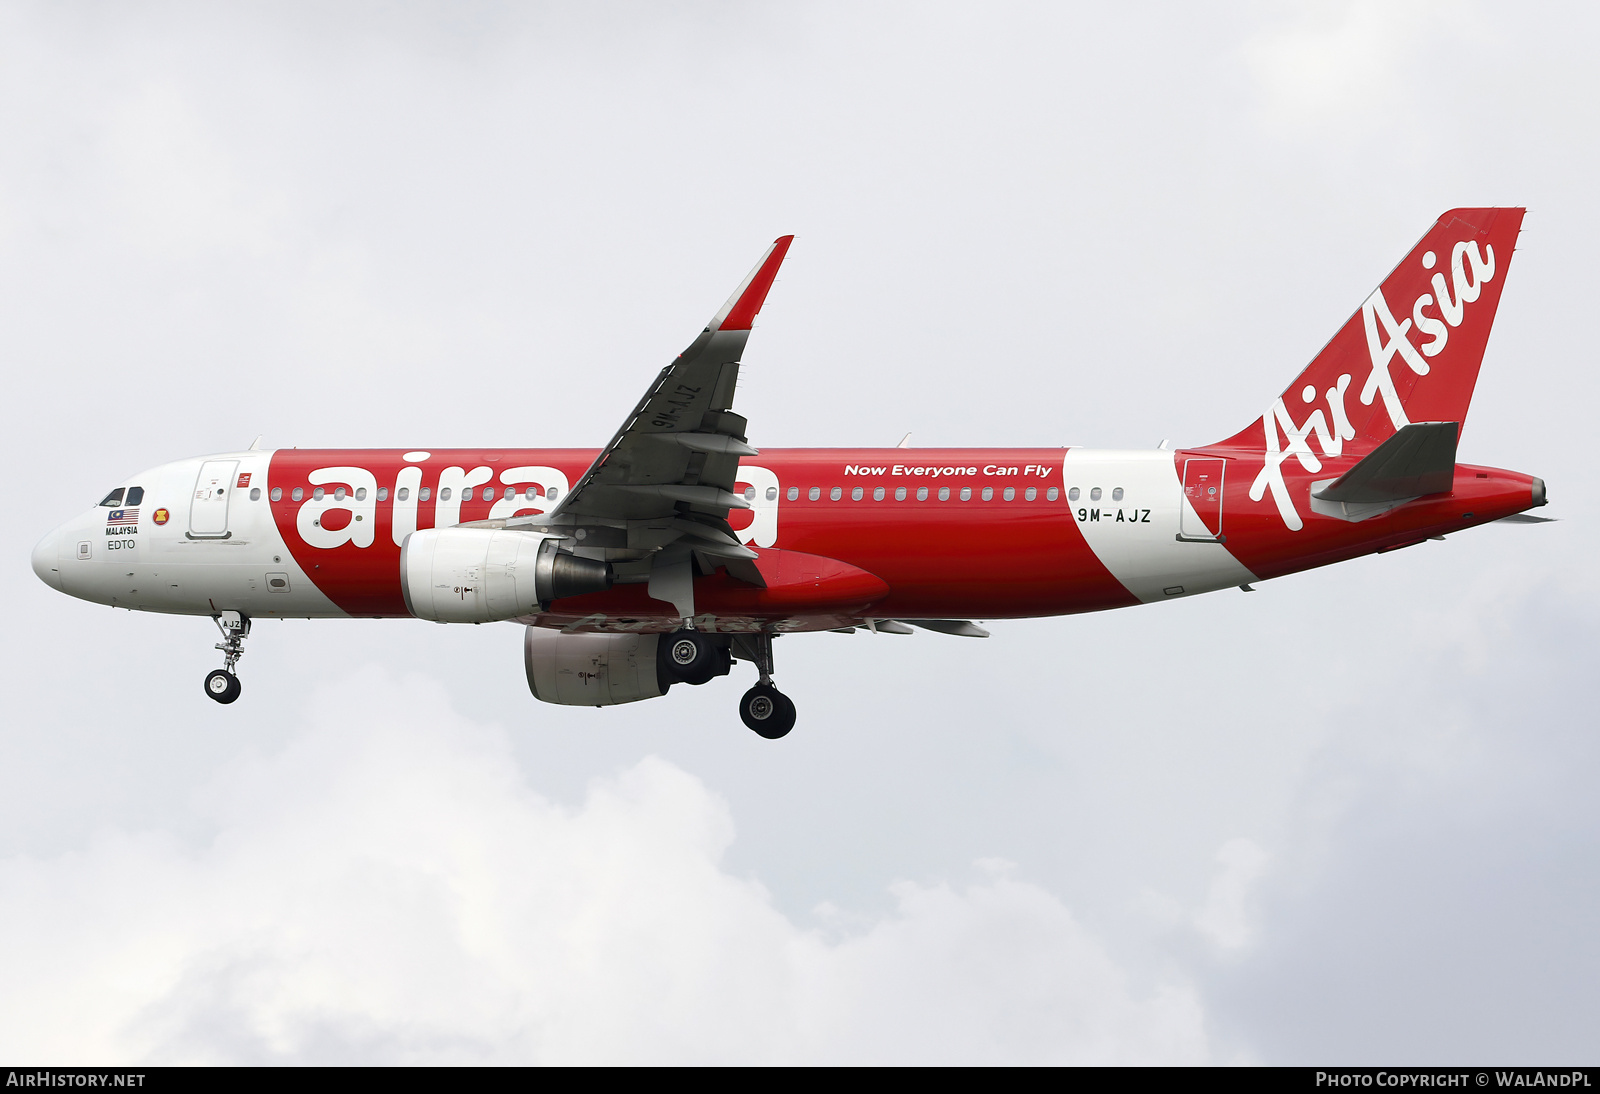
x=740 y=310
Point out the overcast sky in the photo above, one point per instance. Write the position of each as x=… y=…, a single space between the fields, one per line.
x=1348 y=819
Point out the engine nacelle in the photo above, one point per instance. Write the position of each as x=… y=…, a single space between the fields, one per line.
x=591 y=670
x=480 y=575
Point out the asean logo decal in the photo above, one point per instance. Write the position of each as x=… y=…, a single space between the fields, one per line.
x=161 y=516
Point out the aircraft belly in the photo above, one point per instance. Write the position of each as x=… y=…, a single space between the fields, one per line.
x=944 y=563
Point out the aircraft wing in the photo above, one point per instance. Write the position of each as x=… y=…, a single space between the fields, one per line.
x=662 y=488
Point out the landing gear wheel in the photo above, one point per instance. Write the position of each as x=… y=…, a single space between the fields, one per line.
x=222 y=686
x=768 y=711
x=691 y=657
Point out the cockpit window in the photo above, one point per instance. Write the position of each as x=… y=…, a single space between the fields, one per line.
x=135 y=495
x=114 y=498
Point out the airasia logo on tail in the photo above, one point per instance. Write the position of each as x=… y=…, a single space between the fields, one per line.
x=1376 y=311
x=1387 y=338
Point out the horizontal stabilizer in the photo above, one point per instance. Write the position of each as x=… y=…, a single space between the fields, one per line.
x=1525 y=518
x=1419 y=459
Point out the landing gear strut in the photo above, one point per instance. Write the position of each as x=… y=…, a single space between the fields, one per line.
x=765 y=709
x=221 y=684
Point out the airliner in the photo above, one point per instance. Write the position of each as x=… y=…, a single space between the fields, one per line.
x=679 y=547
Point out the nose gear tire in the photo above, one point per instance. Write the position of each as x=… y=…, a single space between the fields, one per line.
x=222 y=686
x=767 y=711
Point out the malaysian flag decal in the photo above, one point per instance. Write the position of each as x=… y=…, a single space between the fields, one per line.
x=122 y=516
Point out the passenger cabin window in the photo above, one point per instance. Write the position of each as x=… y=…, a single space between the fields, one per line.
x=444 y=495
x=1116 y=494
x=427 y=492
x=922 y=493
x=815 y=493
x=255 y=493
x=135 y=495
x=361 y=493
x=1072 y=495
x=1052 y=494
x=383 y=493
x=511 y=492
x=899 y=493
x=966 y=493
x=877 y=494
x=988 y=493
x=749 y=493
x=944 y=493
x=316 y=495
x=466 y=494
x=1011 y=493
x=794 y=493
x=338 y=493
x=1094 y=495
x=114 y=498
x=855 y=495
x=297 y=494
x=1032 y=492
x=277 y=493
x=404 y=493
x=551 y=494
x=836 y=493
x=772 y=493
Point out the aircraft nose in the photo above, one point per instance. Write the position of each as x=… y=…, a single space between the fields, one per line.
x=47 y=561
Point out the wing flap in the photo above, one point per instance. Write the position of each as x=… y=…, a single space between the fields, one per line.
x=961 y=628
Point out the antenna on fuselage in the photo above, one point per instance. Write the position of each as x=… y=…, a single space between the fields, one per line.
x=905 y=442
x=255 y=445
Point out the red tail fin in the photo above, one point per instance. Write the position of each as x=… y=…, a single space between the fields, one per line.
x=1412 y=351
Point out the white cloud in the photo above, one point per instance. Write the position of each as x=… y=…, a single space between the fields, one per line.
x=1224 y=918
x=1343 y=61
x=179 y=193
x=388 y=888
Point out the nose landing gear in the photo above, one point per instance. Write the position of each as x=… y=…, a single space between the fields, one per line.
x=764 y=709
x=221 y=684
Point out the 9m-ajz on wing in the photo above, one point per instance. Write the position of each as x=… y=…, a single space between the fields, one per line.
x=678 y=547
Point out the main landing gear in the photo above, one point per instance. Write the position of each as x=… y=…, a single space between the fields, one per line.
x=694 y=657
x=768 y=711
x=221 y=684
x=764 y=709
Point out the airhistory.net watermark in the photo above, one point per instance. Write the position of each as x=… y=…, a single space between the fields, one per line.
x=49 y=1078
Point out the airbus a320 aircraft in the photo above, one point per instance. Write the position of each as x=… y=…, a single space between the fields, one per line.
x=678 y=547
